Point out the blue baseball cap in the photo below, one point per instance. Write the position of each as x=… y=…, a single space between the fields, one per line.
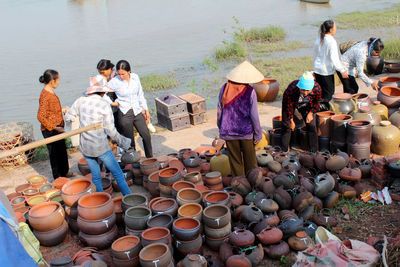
x=306 y=82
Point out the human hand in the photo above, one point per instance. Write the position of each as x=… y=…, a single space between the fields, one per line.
x=345 y=75
x=59 y=129
x=375 y=86
x=114 y=104
x=310 y=117
x=146 y=115
x=292 y=125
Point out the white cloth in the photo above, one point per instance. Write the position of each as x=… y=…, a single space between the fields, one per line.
x=354 y=59
x=129 y=94
x=326 y=56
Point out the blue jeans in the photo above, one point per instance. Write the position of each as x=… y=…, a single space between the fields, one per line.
x=111 y=163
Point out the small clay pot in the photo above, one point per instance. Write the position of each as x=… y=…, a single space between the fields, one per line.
x=227 y=180
x=149 y=166
x=156 y=235
x=95 y=206
x=216 y=216
x=241 y=185
x=160 y=220
x=242 y=238
x=83 y=166
x=45 y=188
x=186 y=229
x=136 y=217
x=270 y=235
x=276 y=251
x=331 y=200
x=30 y=192
x=310 y=228
x=21 y=188
x=218 y=233
x=59 y=182
x=236 y=199
x=188 y=195
x=133 y=200
x=126 y=247
x=251 y=214
x=35 y=200
x=193 y=177
x=165 y=206
x=37 y=181
x=215 y=243
x=324 y=220
x=213 y=178
x=153 y=184
x=217 y=197
x=283 y=198
x=169 y=175
x=291 y=226
x=191 y=210
x=99 y=241
x=46 y=216
x=75 y=189
x=157 y=252
x=256 y=255
x=255 y=176
x=97 y=227
x=52 y=237
x=238 y=261
x=350 y=174
x=192 y=161
x=267 y=205
x=253 y=197
x=302 y=200
x=178 y=185
x=287 y=214
x=268 y=186
x=193 y=260
x=190 y=246
x=300 y=241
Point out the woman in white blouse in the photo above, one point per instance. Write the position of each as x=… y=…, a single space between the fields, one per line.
x=132 y=106
x=326 y=59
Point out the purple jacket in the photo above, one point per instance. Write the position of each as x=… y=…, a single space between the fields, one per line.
x=240 y=119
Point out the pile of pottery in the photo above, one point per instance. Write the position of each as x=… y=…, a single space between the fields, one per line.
x=136 y=213
x=97 y=220
x=48 y=222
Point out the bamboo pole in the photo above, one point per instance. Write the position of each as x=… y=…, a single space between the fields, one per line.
x=48 y=140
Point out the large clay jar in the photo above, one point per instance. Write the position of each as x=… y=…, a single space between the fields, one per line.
x=385 y=138
x=381 y=109
x=270 y=235
x=46 y=216
x=359 y=135
x=389 y=96
x=95 y=206
x=342 y=103
x=339 y=126
x=242 y=238
x=389 y=81
x=238 y=261
x=74 y=189
x=395 y=118
x=300 y=241
x=366 y=114
x=276 y=251
x=375 y=65
x=266 y=90
x=221 y=163
x=324 y=123
x=155 y=253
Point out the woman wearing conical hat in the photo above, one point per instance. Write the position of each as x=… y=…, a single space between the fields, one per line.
x=238 y=121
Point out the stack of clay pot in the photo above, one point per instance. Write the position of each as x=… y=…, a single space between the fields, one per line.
x=125 y=251
x=191 y=160
x=324 y=125
x=187 y=237
x=217 y=225
x=359 y=134
x=148 y=167
x=97 y=220
x=70 y=193
x=48 y=222
x=136 y=213
x=167 y=177
x=213 y=180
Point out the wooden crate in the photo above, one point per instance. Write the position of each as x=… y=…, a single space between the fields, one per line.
x=197 y=118
x=171 y=106
x=174 y=123
x=195 y=104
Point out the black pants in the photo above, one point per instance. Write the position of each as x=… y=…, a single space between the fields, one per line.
x=310 y=127
x=327 y=84
x=58 y=155
x=349 y=85
x=125 y=127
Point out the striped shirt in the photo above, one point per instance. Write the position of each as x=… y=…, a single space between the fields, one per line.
x=354 y=59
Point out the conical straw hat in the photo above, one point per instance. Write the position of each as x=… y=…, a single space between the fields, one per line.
x=245 y=73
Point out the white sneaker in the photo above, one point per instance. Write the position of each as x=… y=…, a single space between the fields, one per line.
x=151 y=128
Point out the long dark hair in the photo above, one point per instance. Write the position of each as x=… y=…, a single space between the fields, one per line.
x=123 y=65
x=325 y=28
x=48 y=76
x=104 y=64
x=375 y=44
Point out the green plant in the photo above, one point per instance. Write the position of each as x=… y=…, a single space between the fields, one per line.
x=41 y=153
x=229 y=51
x=212 y=65
x=158 y=82
x=264 y=34
x=284 y=260
x=392 y=48
x=268 y=48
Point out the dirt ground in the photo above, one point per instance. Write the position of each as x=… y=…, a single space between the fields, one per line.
x=376 y=221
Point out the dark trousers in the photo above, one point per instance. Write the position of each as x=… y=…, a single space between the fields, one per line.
x=310 y=127
x=242 y=156
x=58 y=155
x=327 y=84
x=125 y=127
x=349 y=85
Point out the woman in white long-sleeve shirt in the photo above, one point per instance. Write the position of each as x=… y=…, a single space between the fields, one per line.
x=354 y=59
x=326 y=59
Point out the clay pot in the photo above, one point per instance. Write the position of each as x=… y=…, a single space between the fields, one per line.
x=156 y=235
x=375 y=64
x=220 y=163
x=148 y=166
x=35 y=200
x=268 y=186
x=270 y=235
x=266 y=90
x=255 y=177
x=193 y=260
x=95 y=206
x=136 y=217
x=307 y=211
x=324 y=220
x=192 y=161
x=285 y=180
x=153 y=200
x=238 y=261
x=59 y=182
x=160 y=220
x=117 y=204
x=225 y=251
x=367 y=114
x=310 y=228
x=215 y=243
x=217 y=187
x=193 y=177
x=21 y=188
x=101 y=241
x=267 y=204
x=347 y=191
x=37 y=181
x=217 y=197
x=188 y=195
x=97 y=227
x=389 y=81
x=157 y=252
x=236 y=199
x=132 y=232
x=190 y=246
x=241 y=185
x=133 y=200
x=389 y=96
x=45 y=188
x=385 y=138
x=256 y=255
x=75 y=189
x=381 y=109
x=287 y=214
x=152 y=184
x=191 y=210
x=251 y=214
x=276 y=251
x=165 y=190
x=274 y=166
x=335 y=163
x=339 y=126
x=241 y=238
x=362 y=100
x=30 y=192
x=302 y=200
x=134 y=262
x=219 y=232
x=13 y=195
x=307 y=184
x=324 y=122
x=165 y=206
x=227 y=180
x=324 y=184
x=180 y=185
x=283 y=198
x=216 y=216
x=350 y=174
x=306 y=159
x=169 y=175
x=331 y=200
x=83 y=166
x=52 y=237
x=342 y=103
x=213 y=178
x=263 y=159
x=46 y=216
x=186 y=229
x=300 y=241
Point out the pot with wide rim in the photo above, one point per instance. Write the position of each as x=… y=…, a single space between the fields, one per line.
x=37 y=181
x=95 y=206
x=52 y=237
x=46 y=216
x=136 y=217
x=389 y=81
x=190 y=246
x=165 y=206
x=342 y=103
x=97 y=227
x=35 y=200
x=185 y=228
x=180 y=185
x=156 y=235
x=193 y=177
x=133 y=200
x=75 y=189
x=219 y=232
x=389 y=96
x=191 y=210
x=160 y=220
x=216 y=216
x=155 y=253
x=217 y=197
x=169 y=175
x=126 y=247
x=188 y=195
x=148 y=166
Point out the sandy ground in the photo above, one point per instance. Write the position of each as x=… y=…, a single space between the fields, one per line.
x=163 y=141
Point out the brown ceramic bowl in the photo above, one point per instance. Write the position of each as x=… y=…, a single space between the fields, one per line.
x=97 y=227
x=133 y=262
x=52 y=237
x=189 y=247
x=158 y=252
x=37 y=181
x=191 y=210
x=136 y=217
x=117 y=204
x=165 y=206
x=160 y=220
x=74 y=189
x=99 y=241
x=216 y=187
x=95 y=206
x=193 y=177
x=29 y=192
x=169 y=175
x=20 y=189
x=156 y=235
x=46 y=216
x=126 y=247
x=35 y=200
x=213 y=178
x=152 y=201
x=188 y=195
x=178 y=185
x=18 y=201
x=215 y=243
x=12 y=195
x=216 y=216
x=217 y=197
x=59 y=182
x=133 y=200
x=186 y=229
x=149 y=166
x=165 y=189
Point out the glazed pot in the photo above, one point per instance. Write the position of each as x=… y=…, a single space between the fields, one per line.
x=136 y=217
x=190 y=246
x=95 y=206
x=191 y=210
x=160 y=220
x=133 y=200
x=165 y=206
x=99 y=241
x=238 y=261
x=331 y=200
x=385 y=139
x=148 y=166
x=217 y=197
x=389 y=96
x=52 y=237
x=35 y=200
x=72 y=211
x=192 y=161
x=389 y=81
x=188 y=195
x=251 y=214
x=241 y=238
x=97 y=227
x=362 y=100
x=185 y=228
x=342 y=103
x=283 y=198
x=350 y=174
x=75 y=189
x=218 y=233
x=395 y=118
x=381 y=109
x=366 y=114
x=324 y=184
x=375 y=64
x=46 y=216
x=169 y=175
x=220 y=163
x=193 y=177
x=156 y=235
x=300 y=241
x=266 y=90
x=83 y=166
x=270 y=235
x=37 y=181
x=267 y=204
x=360 y=152
x=216 y=216
x=180 y=185
x=213 y=178
x=359 y=132
x=324 y=122
x=291 y=226
x=215 y=243
x=155 y=253
x=30 y=192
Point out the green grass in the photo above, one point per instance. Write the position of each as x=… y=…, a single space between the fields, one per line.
x=392 y=48
x=155 y=82
x=370 y=19
x=41 y=154
x=230 y=51
x=355 y=206
x=285 y=70
x=269 y=48
x=264 y=34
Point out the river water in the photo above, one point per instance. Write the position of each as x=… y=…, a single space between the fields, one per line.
x=159 y=36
